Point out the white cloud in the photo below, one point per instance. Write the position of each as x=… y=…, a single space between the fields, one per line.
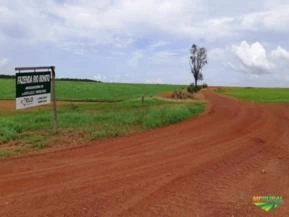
x=274 y=19
x=125 y=18
x=4 y=66
x=3 y=62
x=159 y=57
x=216 y=54
x=253 y=57
x=262 y=66
x=158 y=44
x=117 y=53
x=121 y=23
x=135 y=58
x=148 y=33
x=280 y=53
x=163 y=56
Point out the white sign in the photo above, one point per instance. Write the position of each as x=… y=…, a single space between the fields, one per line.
x=31 y=101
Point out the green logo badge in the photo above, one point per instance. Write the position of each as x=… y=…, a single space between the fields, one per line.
x=267 y=203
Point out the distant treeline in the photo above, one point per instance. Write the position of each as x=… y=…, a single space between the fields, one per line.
x=60 y=79
x=77 y=79
x=7 y=76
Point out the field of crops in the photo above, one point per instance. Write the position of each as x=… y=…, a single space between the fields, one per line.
x=67 y=90
x=267 y=95
x=119 y=112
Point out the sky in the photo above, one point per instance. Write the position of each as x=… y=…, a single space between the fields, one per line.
x=148 y=41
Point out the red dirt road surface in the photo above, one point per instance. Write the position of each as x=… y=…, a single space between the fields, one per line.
x=210 y=166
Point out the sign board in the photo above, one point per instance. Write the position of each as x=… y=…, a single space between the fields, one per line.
x=33 y=89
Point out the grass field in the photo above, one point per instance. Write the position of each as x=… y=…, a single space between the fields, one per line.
x=267 y=95
x=67 y=90
x=29 y=130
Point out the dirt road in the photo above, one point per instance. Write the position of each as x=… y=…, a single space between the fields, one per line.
x=210 y=166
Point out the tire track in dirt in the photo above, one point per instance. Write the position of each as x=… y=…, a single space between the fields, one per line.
x=208 y=166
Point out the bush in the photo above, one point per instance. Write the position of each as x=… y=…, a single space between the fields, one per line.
x=182 y=94
x=205 y=85
x=194 y=89
x=191 y=88
x=198 y=88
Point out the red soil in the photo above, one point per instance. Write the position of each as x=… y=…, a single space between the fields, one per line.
x=208 y=166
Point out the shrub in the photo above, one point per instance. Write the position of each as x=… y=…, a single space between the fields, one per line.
x=191 y=88
x=182 y=94
x=198 y=88
x=205 y=85
x=194 y=89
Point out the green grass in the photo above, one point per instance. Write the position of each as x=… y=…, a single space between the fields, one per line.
x=267 y=95
x=35 y=141
x=7 y=153
x=93 y=120
x=170 y=114
x=153 y=113
x=7 y=89
x=9 y=129
x=116 y=110
x=74 y=90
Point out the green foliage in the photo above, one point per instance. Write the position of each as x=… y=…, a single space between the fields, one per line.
x=193 y=89
x=270 y=95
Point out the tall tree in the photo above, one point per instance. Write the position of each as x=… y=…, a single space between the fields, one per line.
x=198 y=59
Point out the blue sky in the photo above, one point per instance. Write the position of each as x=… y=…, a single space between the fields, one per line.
x=148 y=41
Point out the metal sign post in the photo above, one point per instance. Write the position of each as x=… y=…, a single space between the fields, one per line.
x=35 y=86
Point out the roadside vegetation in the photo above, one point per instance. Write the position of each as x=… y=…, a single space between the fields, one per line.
x=266 y=95
x=121 y=112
